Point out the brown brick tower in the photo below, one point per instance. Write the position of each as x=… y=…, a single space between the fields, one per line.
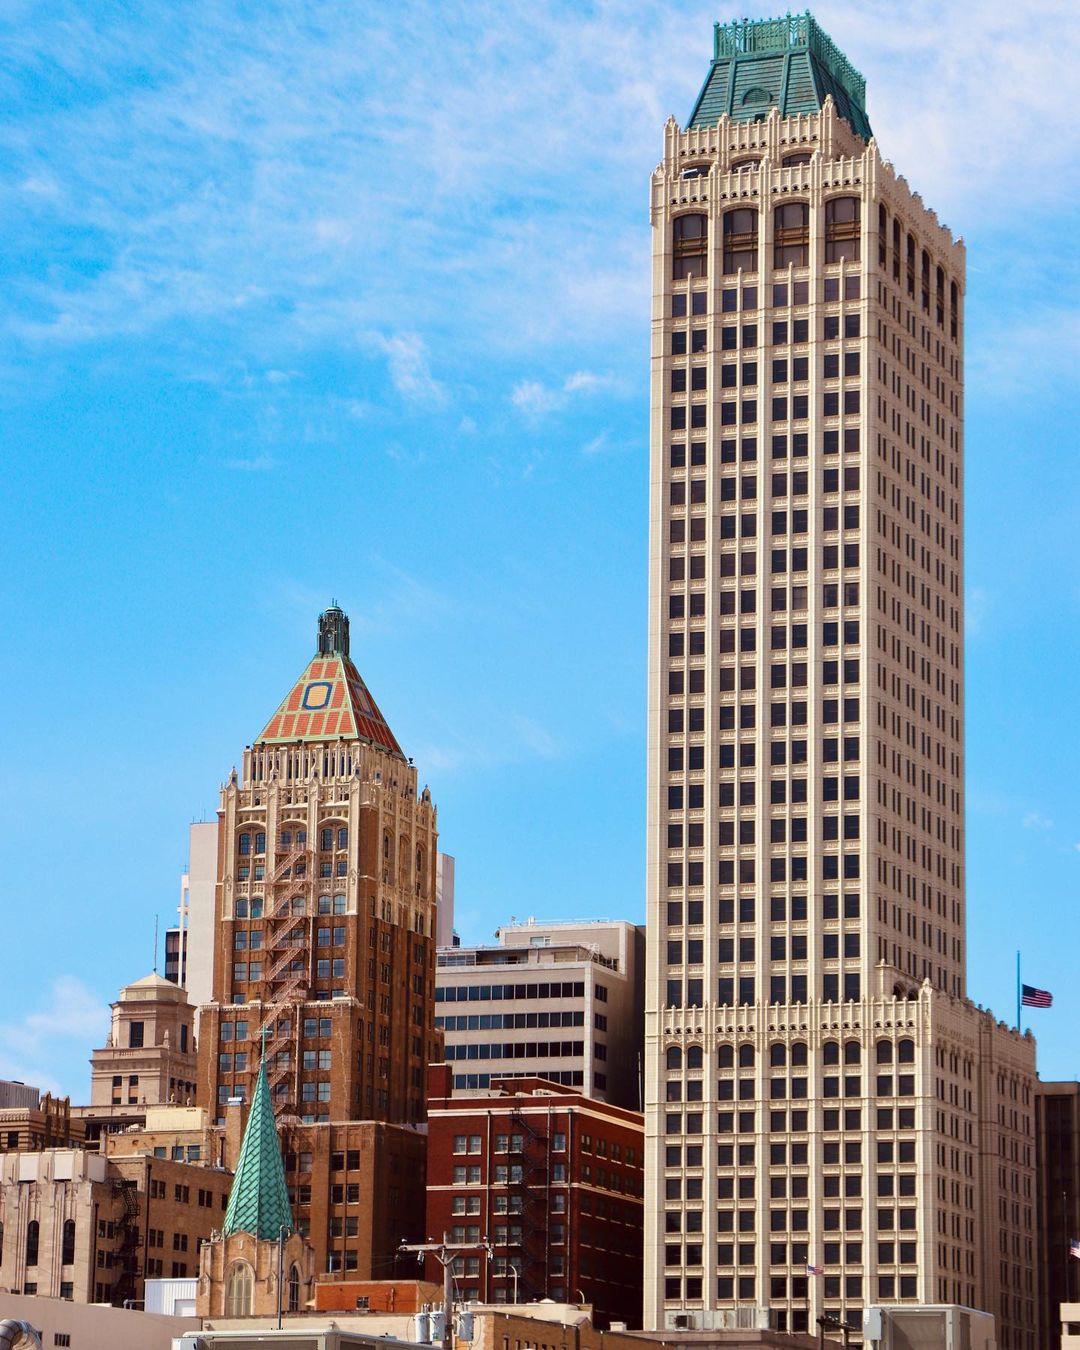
x=324 y=926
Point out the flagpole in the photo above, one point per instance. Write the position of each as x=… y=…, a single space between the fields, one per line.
x=1018 y=991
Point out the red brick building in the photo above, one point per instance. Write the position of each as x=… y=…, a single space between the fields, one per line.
x=552 y=1180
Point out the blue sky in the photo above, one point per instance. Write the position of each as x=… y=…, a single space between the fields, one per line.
x=313 y=300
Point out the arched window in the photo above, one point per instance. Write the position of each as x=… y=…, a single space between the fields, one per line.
x=239 y=1290
x=67 y=1249
x=740 y=240
x=830 y=1053
x=740 y=164
x=777 y=1055
x=800 y=157
x=798 y=1055
x=852 y=1052
x=939 y=297
x=294 y=1289
x=32 y=1236
x=842 y=229
x=791 y=235
x=243 y=845
x=694 y=1057
x=905 y=1052
x=896 y=250
x=884 y=1052
x=883 y=236
x=954 y=308
x=725 y=1057
x=911 y=265
x=924 y=281
x=746 y=1056
x=690 y=242
x=674 y=1057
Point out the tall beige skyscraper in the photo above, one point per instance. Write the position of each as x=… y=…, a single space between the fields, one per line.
x=831 y=1124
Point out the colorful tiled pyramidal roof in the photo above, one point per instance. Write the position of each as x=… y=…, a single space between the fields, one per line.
x=789 y=64
x=259 y=1199
x=330 y=701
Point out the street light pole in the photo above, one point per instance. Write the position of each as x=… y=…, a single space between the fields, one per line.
x=283 y=1233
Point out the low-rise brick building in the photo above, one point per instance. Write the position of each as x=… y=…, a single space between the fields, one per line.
x=80 y=1226
x=551 y=1180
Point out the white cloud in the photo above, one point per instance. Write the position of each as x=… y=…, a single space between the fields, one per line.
x=976 y=610
x=534 y=398
x=72 y=1017
x=594 y=446
x=1035 y=821
x=297 y=180
x=256 y=464
x=407 y=360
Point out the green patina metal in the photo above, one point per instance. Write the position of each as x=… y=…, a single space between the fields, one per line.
x=789 y=64
x=259 y=1199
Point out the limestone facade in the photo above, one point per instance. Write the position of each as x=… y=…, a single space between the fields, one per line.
x=149 y=1059
x=818 y=1090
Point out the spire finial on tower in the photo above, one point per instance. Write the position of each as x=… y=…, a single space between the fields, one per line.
x=333 y=631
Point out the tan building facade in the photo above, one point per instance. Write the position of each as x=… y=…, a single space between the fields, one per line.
x=149 y=1059
x=562 y=1001
x=82 y=1227
x=819 y=1093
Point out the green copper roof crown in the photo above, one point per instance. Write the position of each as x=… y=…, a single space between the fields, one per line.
x=259 y=1199
x=789 y=64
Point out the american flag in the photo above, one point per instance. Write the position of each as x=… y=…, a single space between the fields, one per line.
x=1074 y=1248
x=1030 y=997
x=820 y=1270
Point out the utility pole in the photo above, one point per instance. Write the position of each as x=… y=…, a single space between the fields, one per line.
x=446 y=1253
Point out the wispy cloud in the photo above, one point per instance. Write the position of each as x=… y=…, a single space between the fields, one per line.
x=257 y=464
x=1034 y=820
x=295 y=180
x=407 y=360
x=70 y=1015
x=534 y=398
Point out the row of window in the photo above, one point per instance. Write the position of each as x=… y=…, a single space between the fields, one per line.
x=512 y=1021
x=781 y=409
x=517 y=1050
x=781 y=909
x=690 y=993
x=485 y=993
x=677 y=1123
x=732 y=376
x=796 y=1054
x=791 y=237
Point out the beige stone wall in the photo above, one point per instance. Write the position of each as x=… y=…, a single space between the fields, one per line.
x=119 y=1329
x=805 y=813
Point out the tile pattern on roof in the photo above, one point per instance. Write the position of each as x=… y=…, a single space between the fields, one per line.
x=789 y=64
x=259 y=1198
x=329 y=702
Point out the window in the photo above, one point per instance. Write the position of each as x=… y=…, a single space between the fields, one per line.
x=67 y=1252
x=842 y=229
x=32 y=1238
x=239 y=1290
x=135 y=1035
x=690 y=239
x=791 y=235
x=740 y=240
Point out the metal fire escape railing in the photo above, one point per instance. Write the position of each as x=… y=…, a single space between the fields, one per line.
x=129 y=1240
x=288 y=942
x=532 y=1188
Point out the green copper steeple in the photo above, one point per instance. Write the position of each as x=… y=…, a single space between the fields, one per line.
x=259 y=1200
x=789 y=64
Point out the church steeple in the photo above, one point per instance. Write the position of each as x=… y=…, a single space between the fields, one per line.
x=259 y=1199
